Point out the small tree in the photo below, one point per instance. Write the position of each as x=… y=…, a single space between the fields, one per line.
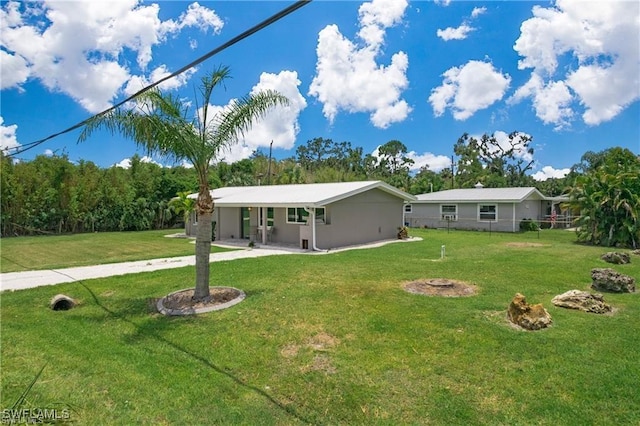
x=160 y=123
x=183 y=205
x=608 y=201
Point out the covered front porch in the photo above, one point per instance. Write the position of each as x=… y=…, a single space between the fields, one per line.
x=281 y=227
x=238 y=243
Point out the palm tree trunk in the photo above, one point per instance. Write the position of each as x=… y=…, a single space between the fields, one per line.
x=204 y=207
x=203 y=249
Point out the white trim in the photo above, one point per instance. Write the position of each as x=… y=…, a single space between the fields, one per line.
x=454 y=216
x=306 y=209
x=488 y=205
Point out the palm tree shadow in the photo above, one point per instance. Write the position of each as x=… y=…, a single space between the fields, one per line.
x=151 y=331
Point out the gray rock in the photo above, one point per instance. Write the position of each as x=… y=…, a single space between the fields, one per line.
x=616 y=257
x=529 y=317
x=582 y=300
x=608 y=280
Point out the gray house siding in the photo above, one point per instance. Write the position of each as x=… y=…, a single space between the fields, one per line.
x=355 y=213
x=228 y=222
x=509 y=215
x=371 y=216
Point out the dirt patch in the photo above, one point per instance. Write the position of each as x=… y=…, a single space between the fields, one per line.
x=320 y=363
x=525 y=245
x=322 y=341
x=441 y=287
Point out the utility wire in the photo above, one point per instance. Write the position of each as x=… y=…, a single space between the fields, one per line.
x=284 y=12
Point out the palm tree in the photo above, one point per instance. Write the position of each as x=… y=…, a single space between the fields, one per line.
x=159 y=123
x=183 y=205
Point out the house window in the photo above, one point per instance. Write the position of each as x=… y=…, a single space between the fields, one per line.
x=449 y=212
x=300 y=215
x=408 y=208
x=269 y=216
x=487 y=213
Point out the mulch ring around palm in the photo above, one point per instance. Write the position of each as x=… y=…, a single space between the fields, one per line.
x=182 y=302
x=443 y=287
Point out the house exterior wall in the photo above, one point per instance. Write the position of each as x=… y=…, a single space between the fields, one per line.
x=228 y=222
x=429 y=215
x=374 y=215
x=371 y=216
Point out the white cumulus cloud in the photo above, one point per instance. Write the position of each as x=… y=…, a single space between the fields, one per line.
x=8 y=138
x=348 y=78
x=600 y=41
x=518 y=144
x=139 y=82
x=280 y=125
x=551 y=100
x=462 y=31
x=468 y=89
x=433 y=162
x=549 y=172
x=459 y=33
x=76 y=47
x=477 y=11
x=126 y=162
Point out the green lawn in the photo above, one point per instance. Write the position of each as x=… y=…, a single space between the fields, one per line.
x=59 y=251
x=334 y=339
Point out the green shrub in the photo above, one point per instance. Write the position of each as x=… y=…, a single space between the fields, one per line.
x=528 y=225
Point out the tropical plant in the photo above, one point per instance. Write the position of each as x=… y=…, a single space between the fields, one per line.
x=184 y=206
x=608 y=201
x=159 y=123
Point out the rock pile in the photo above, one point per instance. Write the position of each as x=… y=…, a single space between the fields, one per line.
x=617 y=258
x=582 y=300
x=608 y=280
x=529 y=317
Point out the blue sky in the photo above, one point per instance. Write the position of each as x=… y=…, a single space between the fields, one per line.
x=565 y=73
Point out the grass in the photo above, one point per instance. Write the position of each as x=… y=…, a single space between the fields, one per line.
x=334 y=339
x=49 y=252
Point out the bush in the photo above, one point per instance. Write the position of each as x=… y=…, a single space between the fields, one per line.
x=528 y=225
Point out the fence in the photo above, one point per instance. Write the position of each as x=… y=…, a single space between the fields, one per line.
x=500 y=225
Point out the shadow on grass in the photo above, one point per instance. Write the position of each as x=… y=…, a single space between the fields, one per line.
x=148 y=305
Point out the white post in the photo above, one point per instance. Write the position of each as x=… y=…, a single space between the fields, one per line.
x=442 y=252
x=263 y=210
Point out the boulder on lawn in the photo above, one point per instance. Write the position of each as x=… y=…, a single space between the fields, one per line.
x=529 y=317
x=606 y=279
x=616 y=257
x=582 y=300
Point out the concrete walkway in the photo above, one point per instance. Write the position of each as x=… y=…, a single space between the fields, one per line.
x=30 y=279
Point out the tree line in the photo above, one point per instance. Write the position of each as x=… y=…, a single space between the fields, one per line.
x=51 y=194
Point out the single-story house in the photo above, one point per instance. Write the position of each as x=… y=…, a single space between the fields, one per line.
x=344 y=213
x=497 y=209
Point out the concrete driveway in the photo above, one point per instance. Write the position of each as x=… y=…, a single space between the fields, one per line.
x=30 y=279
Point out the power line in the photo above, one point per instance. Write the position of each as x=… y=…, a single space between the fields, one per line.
x=272 y=19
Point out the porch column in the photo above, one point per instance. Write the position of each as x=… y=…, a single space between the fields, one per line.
x=263 y=210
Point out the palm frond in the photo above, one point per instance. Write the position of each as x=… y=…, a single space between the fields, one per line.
x=233 y=123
